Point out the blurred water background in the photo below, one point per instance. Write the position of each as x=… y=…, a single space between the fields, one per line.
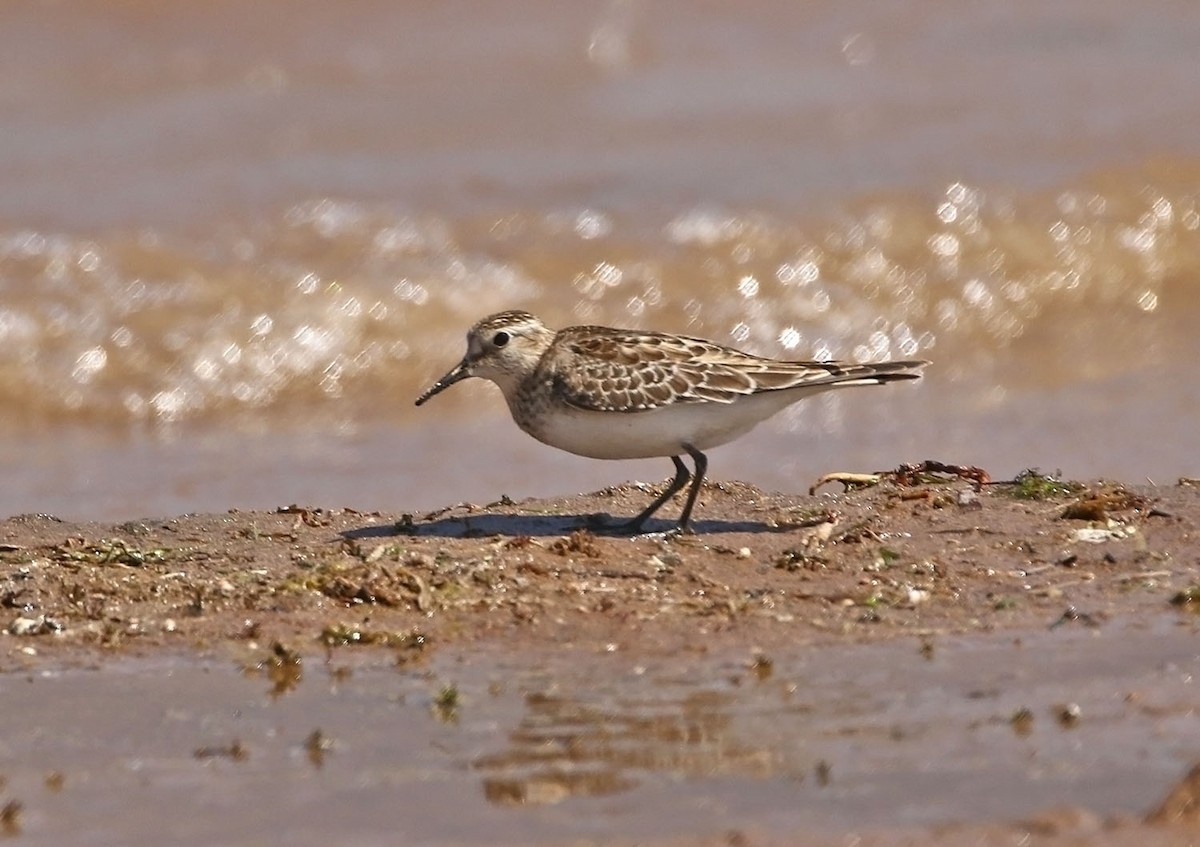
x=236 y=240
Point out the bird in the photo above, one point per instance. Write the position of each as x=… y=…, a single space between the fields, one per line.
x=608 y=393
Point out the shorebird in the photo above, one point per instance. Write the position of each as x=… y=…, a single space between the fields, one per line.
x=629 y=394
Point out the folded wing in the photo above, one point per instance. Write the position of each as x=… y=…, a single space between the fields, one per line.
x=622 y=371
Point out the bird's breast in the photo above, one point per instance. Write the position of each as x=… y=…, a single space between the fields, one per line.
x=638 y=435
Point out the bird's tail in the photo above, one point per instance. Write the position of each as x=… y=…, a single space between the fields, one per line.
x=873 y=373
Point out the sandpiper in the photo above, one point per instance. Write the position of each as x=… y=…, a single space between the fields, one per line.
x=628 y=394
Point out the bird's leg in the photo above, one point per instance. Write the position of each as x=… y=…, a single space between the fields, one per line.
x=680 y=480
x=697 y=480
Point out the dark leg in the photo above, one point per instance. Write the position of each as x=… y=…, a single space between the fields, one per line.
x=697 y=479
x=680 y=480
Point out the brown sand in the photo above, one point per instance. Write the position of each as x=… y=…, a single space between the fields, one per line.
x=761 y=568
x=763 y=572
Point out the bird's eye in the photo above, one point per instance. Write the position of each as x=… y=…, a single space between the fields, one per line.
x=500 y=339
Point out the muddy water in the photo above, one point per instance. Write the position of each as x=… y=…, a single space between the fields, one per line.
x=235 y=244
x=553 y=747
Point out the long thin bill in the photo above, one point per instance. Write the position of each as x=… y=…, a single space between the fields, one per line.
x=460 y=372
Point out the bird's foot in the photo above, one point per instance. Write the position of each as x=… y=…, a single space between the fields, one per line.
x=635 y=527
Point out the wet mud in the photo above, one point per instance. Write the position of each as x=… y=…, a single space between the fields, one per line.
x=934 y=659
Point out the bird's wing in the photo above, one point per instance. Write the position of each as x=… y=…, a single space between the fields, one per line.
x=625 y=371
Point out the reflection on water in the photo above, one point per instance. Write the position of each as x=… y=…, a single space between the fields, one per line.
x=565 y=746
x=338 y=304
x=160 y=369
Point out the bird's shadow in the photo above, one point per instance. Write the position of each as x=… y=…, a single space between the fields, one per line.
x=490 y=524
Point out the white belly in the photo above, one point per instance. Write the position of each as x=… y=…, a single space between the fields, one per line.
x=658 y=432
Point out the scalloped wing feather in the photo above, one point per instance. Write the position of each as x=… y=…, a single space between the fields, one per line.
x=607 y=370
